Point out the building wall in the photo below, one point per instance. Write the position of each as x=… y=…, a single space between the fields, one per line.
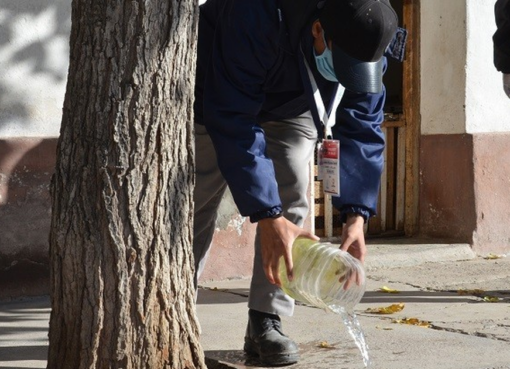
x=26 y=166
x=443 y=72
x=34 y=37
x=488 y=121
x=465 y=142
x=487 y=106
x=491 y=157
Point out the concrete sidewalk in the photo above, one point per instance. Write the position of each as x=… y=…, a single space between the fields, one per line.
x=465 y=331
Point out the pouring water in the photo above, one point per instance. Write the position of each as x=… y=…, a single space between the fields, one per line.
x=319 y=269
x=353 y=326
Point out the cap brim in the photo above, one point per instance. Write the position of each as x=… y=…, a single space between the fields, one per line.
x=356 y=75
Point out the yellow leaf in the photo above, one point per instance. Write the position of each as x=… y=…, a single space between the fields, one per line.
x=413 y=321
x=491 y=299
x=395 y=308
x=324 y=344
x=492 y=256
x=388 y=290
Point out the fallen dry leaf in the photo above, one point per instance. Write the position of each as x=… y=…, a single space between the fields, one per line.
x=324 y=344
x=413 y=321
x=491 y=299
x=479 y=293
x=395 y=308
x=388 y=290
x=492 y=256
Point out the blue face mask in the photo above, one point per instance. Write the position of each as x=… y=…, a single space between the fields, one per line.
x=325 y=63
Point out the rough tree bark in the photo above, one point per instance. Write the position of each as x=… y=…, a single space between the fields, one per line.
x=120 y=241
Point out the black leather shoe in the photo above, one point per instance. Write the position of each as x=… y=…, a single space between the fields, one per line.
x=265 y=339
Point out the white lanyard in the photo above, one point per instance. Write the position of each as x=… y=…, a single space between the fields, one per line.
x=327 y=121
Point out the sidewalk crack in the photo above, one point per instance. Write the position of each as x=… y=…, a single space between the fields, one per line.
x=475 y=334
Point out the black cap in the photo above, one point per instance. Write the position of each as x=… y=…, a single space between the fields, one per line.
x=361 y=30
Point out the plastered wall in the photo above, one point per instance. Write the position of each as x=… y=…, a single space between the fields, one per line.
x=461 y=90
x=443 y=50
x=487 y=106
x=34 y=37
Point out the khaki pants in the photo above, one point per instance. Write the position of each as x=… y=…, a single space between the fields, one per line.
x=290 y=145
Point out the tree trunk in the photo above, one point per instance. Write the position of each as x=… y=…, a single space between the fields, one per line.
x=120 y=241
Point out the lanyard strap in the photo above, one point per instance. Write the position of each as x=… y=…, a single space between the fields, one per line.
x=324 y=119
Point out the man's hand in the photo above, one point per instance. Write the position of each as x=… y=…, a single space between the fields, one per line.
x=276 y=239
x=353 y=241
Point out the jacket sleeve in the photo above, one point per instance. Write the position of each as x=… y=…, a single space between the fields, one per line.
x=358 y=127
x=243 y=50
x=501 y=38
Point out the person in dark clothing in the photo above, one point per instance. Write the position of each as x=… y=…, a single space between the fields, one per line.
x=502 y=42
x=260 y=65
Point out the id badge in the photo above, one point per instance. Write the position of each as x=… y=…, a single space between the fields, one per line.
x=329 y=166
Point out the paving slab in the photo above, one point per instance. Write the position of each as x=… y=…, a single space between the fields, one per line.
x=24 y=333
x=402 y=252
x=465 y=332
x=455 y=339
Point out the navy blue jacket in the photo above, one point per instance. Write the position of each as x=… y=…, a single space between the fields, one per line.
x=247 y=73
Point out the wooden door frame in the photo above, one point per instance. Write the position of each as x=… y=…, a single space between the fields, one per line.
x=411 y=107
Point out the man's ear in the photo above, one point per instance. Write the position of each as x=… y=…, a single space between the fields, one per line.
x=317 y=30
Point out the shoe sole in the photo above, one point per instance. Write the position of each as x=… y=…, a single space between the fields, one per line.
x=280 y=359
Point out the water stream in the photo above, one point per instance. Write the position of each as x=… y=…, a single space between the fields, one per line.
x=354 y=328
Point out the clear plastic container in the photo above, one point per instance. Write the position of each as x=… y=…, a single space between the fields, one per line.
x=321 y=270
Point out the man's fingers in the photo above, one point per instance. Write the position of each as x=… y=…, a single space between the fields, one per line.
x=361 y=247
x=348 y=283
x=309 y=235
x=277 y=237
x=269 y=273
x=289 y=264
x=362 y=259
x=276 y=276
x=359 y=279
x=346 y=244
x=350 y=280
